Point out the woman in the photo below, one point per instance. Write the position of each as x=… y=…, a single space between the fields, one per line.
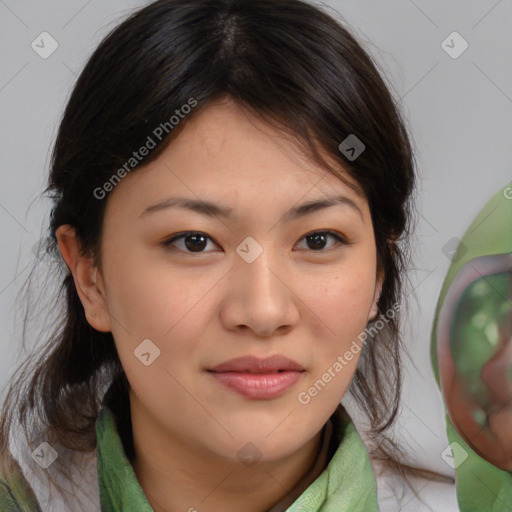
x=231 y=188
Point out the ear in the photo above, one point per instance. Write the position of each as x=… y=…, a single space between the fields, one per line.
x=88 y=281
x=374 y=311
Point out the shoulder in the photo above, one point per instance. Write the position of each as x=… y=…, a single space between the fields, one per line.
x=16 y=495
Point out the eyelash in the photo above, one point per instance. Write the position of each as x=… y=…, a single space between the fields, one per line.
x=167 y=243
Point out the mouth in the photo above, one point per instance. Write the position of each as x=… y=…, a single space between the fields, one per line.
x=251 y=364
x=260 y=379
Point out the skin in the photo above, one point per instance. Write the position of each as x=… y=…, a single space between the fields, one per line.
x=203 y=309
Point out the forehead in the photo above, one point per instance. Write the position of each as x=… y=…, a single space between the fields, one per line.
x=227 y=153
x=227 y=133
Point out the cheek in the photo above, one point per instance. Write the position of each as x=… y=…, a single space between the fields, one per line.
x=151 y=297
x=340 y=306
x=170 y=313
x=168 y=308
x=341 y=302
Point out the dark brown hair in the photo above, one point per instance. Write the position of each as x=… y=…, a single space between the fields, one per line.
x=288 y=62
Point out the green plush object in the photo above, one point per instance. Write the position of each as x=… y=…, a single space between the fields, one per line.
x=474 y=336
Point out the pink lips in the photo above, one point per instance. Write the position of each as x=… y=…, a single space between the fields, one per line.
x=258 y=378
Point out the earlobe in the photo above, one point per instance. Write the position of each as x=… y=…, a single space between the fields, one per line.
x=374 y=311
x=84 y=275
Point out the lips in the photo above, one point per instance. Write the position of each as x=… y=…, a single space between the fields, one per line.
x=258 y=379
x=251 y=364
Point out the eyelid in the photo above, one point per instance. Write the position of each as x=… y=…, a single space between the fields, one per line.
x=340 y=238
x=166 y=243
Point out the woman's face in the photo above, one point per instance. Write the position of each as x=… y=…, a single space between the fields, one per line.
x=252 y=285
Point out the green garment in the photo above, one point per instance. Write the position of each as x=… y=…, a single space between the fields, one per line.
x=481 y=486
x=347 y=484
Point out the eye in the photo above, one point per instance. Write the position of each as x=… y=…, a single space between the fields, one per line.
x=189 y=241
x=317 y=239
x=194 y=242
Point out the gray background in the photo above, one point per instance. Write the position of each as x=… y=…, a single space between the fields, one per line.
x=459 y=111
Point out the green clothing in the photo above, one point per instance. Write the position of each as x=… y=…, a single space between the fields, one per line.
x=347 y=484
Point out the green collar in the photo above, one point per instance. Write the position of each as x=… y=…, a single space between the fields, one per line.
x=346 y=485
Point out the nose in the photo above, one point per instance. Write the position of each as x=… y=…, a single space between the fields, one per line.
x=260 y=298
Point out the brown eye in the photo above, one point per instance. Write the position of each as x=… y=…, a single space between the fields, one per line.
x=194 y=242
x=317 y=240
x=190 y=241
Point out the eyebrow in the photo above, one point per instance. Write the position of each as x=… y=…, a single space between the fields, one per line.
x=210 y=209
